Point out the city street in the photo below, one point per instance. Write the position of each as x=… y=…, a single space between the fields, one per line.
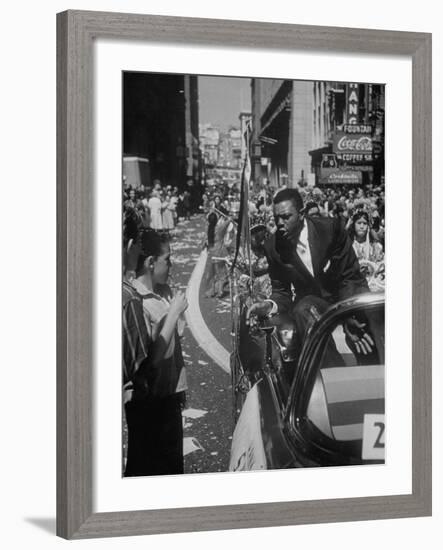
x=313 y=190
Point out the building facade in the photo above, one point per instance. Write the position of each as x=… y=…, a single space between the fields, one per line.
x=222 y=152
x=321 y=133
x=245 y=118
x=160 y=125
x=282 y=131
x=209 y=140
x=348 y=146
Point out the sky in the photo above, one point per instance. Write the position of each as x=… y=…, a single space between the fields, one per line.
x=221 y=99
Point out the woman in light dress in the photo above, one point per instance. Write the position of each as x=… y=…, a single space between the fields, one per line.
x=155 y=208
x=168 y=208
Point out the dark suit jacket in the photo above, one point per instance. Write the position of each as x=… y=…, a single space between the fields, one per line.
x=337 y=273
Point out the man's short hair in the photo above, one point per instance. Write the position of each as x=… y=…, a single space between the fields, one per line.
x=289 y=195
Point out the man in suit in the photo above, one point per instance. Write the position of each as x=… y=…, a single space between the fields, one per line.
x=312 y=265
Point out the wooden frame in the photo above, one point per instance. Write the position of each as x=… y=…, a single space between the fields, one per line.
x=76 y=31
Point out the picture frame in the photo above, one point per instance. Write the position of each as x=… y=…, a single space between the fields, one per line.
x=76 y=32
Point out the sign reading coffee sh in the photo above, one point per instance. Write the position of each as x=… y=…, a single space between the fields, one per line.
x=353 y=144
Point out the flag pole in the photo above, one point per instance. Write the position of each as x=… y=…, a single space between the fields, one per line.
x=243 y=228
x=248 y=228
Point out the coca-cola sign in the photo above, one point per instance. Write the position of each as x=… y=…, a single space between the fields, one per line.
x=352 y=143
x=348 y=144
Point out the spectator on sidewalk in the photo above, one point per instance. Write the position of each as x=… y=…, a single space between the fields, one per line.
x=155 y=209
x=158 y=419
x=187 y=204
x=167 y=213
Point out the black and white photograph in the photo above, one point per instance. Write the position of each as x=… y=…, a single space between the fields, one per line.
x=253 y=252
x=226 y=331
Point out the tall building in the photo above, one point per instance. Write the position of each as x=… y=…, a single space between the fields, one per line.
x=193 y=158
x=307 y=132
x=235 y=145
x=230 y=149
x=348 y=145
x=209 y=140
x=221 y=152
x=282 y=130
x=160 y=114
x=245 y=118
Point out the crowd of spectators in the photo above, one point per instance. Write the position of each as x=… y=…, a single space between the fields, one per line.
x=159 y=207
x=361 y=210
x=330 y=201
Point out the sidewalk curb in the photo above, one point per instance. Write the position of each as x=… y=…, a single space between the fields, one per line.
x=200 y=330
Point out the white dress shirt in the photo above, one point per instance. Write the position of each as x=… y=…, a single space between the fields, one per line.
x=303 y=249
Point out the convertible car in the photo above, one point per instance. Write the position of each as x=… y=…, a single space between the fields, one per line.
x=312 y=403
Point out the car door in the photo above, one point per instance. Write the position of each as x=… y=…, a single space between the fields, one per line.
x=335 y=413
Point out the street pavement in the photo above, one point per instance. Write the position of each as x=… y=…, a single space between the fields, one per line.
x=208 y=412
